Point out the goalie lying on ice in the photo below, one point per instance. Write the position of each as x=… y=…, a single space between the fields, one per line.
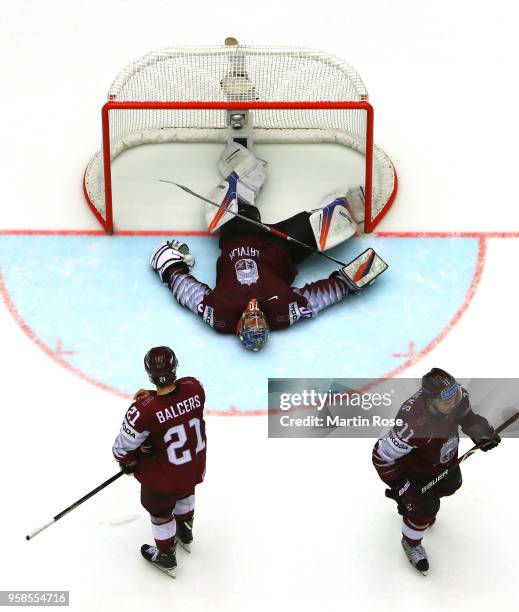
x=255 y=271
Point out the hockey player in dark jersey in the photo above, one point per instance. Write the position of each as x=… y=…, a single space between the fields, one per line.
x=255 y=271
x=162 y=441
x=424 y=446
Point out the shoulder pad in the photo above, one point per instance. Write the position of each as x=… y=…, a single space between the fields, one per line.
x=145 y=401
x=415 y=416
x=187 y=380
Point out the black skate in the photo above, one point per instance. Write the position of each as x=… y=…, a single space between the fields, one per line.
x=185 y=534
x=417 y=556
x=165 y=562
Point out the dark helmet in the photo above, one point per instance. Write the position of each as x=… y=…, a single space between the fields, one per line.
x=439 y=384
x=161 y=363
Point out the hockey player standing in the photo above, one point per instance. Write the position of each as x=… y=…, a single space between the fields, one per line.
x=162 y=441
x=255 y=271
x=424 y=446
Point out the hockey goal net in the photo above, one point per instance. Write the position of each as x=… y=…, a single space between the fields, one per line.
x=246 y=93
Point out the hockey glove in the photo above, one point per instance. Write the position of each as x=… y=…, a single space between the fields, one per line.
x=128 y=468
x=405 y=495
x=362 y=271
x=340 y=274
x=146 y=449
x=170 y=256
x=488 y=440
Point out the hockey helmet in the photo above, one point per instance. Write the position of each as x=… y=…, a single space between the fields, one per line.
x=442 y=390
x=161 y=364
x=252 y=328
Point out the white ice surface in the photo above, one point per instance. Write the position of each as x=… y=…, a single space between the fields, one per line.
x=298 y=177
x=297 y=524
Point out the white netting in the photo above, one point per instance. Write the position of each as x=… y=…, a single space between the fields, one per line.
x=277 y=74
x=244 y=74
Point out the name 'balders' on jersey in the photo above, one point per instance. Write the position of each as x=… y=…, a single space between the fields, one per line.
x=425 y=443
x=254 y=267
x=175 y=427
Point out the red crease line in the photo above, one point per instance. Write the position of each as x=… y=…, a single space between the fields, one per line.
x=403 y=234
x=47 y=350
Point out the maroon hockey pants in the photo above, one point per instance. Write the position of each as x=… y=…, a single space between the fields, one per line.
x=165 y=510
x=416 y=522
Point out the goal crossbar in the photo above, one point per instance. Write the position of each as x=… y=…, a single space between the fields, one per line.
x=108 y=155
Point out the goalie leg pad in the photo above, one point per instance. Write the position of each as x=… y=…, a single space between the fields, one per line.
x=244 y=181
x=231 y=157
x=332 y=222
x=226 y=200
x=356 y=203
x=250 y=171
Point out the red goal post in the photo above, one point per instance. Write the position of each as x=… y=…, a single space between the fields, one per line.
x=127 y=123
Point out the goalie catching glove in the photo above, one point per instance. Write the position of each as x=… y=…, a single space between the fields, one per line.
x=170 y=255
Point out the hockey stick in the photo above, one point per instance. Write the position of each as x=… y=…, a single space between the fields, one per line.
x=267 y=228
x=466 y=455
x=75 y=505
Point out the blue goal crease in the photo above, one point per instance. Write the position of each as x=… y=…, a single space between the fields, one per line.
x=98 y=299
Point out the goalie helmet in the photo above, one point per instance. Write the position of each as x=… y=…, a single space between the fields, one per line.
x=441 y=390
x=252 y=328
x=161 y=364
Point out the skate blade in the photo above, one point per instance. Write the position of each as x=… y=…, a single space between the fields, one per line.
x=170 y=572
x=186 y=547
x=420 y=571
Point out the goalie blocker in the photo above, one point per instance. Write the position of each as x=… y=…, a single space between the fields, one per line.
x=363 y=270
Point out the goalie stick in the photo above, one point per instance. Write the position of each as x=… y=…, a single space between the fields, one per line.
x=75 y=505
x=271 y=230
x=466 y=455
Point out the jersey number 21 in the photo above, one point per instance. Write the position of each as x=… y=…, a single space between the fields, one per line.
x=178 y=437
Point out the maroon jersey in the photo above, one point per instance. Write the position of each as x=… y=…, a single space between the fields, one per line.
x=174 y=425
x=425 y=443
x=251 y=267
